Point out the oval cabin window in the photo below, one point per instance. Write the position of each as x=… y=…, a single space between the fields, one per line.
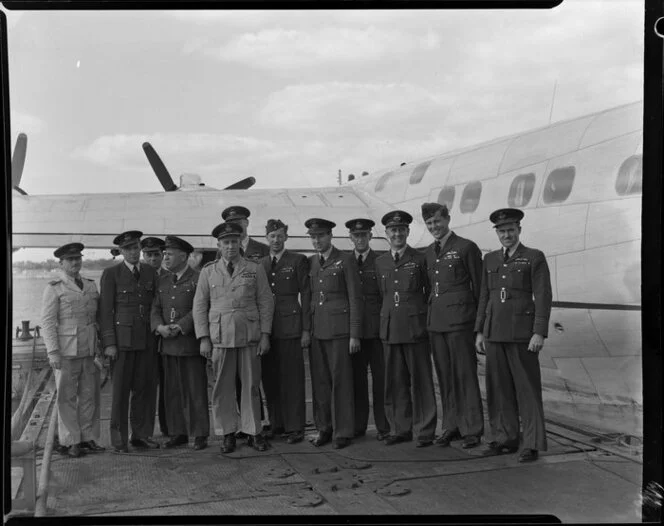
x=418 y=173
x=521 y=190
x=558 y=185
x=470 y=199
x=629 y=180
x=383 y=181
x=446 y=196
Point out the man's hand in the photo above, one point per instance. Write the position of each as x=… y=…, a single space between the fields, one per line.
x=175 y=329
x=305 y=341
x=55 y=360
x=536 y=343
x=480 y=347
x=164 y=331
x=263 y=345
x=206 y=347
x=354 y=346
x=111 y=351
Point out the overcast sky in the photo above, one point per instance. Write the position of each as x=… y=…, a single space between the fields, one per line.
x=291 y=97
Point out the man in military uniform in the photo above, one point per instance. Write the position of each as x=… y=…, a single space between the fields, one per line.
x=283 y=366
x=402 y=273
x=455 y=273
x=336 y=310
x=185 y=384
x=512 y=322
x=127 y=291
x=233 y=308
x=153 y=255
x=69 y=312
x=371 y=348
x=249 y=249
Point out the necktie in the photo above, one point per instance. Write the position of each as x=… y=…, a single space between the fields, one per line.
x=230 y=268
x=241 y=251
x=79 y=283
x=175 y=278
x=506 y=255
x=322 y=261
x=136 y=273
x=359 y=260
x=396 y=257
x=274 y=262
x=437 y=248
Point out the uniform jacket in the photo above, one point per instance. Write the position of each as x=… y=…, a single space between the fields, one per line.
x=455 y=277
x=515 y=298
x=172 y=304
x=125 y=305
x=371 y=300
x=404 y=288
x=336 y=297
x=233 y=310
x=288 y=280
x=69 y=317
x=255 y=250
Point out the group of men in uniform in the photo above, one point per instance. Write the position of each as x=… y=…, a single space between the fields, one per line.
x=255 y=308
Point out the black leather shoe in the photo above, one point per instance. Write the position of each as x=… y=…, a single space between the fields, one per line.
x=296 y=437
x=360 y=433
x=447 y=437
x=499 y=448
x=228 y=445
x=257 y=442
x=397 y=439
x=91 y=446
x=424 y=443
x=528 y=455
x=341 y=443
x=470 y=441
x=322 y=439
x=241 y=435
x=144 y=443
x=382 y=435
x=63 y=450
x=200 y=443
x=178 y=440
x=121 y=449
x=74 y=451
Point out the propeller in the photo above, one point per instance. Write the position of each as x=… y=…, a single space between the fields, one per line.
x=159 y=168
x=18 y=161
x=243 y=184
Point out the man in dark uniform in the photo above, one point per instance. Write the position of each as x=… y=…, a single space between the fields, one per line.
x=283 y=367
x=402 y=274
x=455 y=273
x=253 y=251
x=153 y=255
x=512 y=322
x=127 y=291
x=336 y=310
x=371 y=348
x=185 y=383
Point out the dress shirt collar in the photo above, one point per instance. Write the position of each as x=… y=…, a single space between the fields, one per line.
x=400 y=251
x=444 y=239
x=327 y=253
x=364 y=255
x=278 y=256
x=131 y=267
x=512 y=250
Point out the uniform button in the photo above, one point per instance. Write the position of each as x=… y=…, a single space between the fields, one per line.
x=503 y=277
x=396 y=281
x=173 y=298
x=321 y=281
x=504 y=264
x=272 y=284
x=436 y=272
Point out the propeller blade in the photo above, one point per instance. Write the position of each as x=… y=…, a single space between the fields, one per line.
x=159 y=168
x=242 y=185
x=18 y=159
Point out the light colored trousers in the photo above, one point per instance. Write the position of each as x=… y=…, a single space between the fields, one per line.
x=227 y=362
x=78 y=399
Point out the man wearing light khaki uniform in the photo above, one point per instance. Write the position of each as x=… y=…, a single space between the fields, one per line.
x=233 y=309
x=69 y=310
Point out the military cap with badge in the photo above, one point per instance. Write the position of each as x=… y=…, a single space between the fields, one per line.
x=128 y=238
x=70 y=250
x=227 y=229
x=273 y=225
x=429 y=210
x=359 y=225
x=152 y=244
x=504 y=216
x=178 y=243
x=235 y=213
x=397 y=218
x=316 y=225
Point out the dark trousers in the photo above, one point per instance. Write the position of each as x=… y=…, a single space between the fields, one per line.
x=283 y=380
x=513 y=390
x=456 y=367
x=186 y=395
x=163 y=426
x=332 y=387
x=410 y=401
x=371 y=355
x=134 y=395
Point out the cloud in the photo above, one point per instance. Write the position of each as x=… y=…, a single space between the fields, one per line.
x=290 y=49
x=26 y=123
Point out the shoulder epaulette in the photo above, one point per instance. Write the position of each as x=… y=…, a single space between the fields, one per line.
x=87 y=279
x=55 y=282
x=209 y=263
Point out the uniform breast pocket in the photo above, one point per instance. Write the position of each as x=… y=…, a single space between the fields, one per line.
x=333 y=280
x=520 y=277
x=452 y=269
x=412 y=280
x=124 y=295
x=493 y=278
x=216 y=291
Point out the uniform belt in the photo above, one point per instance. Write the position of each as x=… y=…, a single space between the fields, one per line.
x=504 y=294
x=323 y=297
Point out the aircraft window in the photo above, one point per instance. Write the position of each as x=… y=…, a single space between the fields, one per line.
x=446 y=196
x=629 y=179
x=418 y=172
x=383 y=181
x=521 y=190
x=558 y=185
x=470 y=198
